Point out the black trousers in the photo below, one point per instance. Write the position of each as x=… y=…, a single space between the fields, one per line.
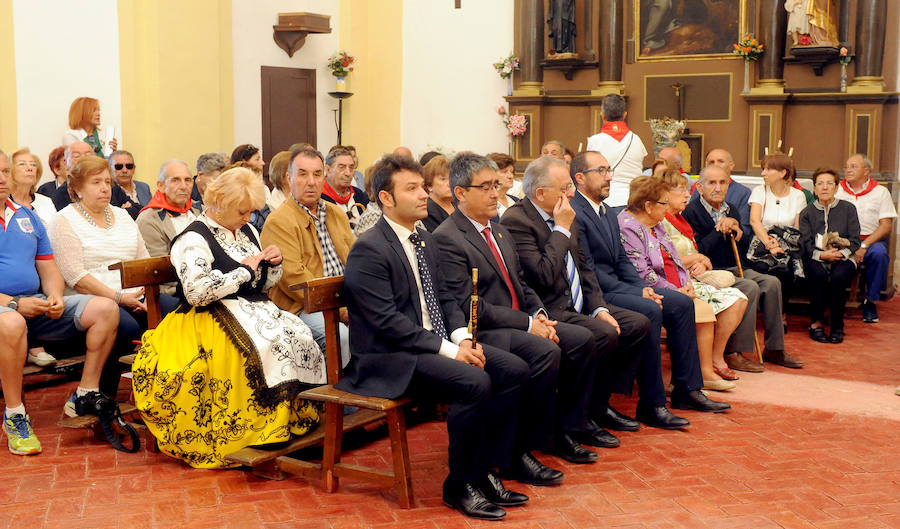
x=484 y=405
x=828 y=284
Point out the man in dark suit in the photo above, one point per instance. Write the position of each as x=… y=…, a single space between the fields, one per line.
x=621 y=284
x=543 y=226
x=409 y=337
x=512 y=317
x=714 y=220
x=118 y=197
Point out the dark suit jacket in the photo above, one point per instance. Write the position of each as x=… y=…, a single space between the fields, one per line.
x=602 y=246
x=462 y=249
x=386 y=330
x=710 y=242
x=436 y=215
x=542 y=253
x=118 y=197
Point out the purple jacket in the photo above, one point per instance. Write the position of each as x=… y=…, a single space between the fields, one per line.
x=643 y=250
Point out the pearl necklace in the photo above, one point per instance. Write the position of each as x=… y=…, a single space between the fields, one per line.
x=90 y=219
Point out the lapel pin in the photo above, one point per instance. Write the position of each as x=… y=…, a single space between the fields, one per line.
x=500 y=235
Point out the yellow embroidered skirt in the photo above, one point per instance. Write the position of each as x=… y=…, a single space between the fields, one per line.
x=200 y=395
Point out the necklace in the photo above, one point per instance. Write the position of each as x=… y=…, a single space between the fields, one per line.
x=90 y=219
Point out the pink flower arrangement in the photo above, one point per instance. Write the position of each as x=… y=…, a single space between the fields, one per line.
x=804 y=40
x=516 y=124
x=845 y=56
x=505 y=67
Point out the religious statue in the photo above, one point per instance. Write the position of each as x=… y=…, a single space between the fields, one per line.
x=813 y=22
x=561 y=20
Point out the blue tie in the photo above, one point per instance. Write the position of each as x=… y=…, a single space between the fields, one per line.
x=572 y=276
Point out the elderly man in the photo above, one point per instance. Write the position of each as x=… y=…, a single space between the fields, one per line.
x=339 y=189
x=553 y=148
x=314 y=237
x=620 y=146
x=169 y=212
x=32 y=306
x=122 y=165
x=622 y=286
x=715 y=221
x=118 y=197
x=670 y=154
x=404 y=152
x=209 y=166
x=738 y=194
x=876 y=220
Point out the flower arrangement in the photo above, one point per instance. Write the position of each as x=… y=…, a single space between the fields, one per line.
x=804 y=40
x=340 y=64
x=507 y=66
x=749 y=48
x=666 y=131
x=845 y=56
x=516 y=124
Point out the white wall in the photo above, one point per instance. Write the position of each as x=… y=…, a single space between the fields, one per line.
x=57 y=60
x=253 y=47
x=450 y=90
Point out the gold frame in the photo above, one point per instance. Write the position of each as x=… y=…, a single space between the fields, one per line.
x=636 y=36
x=754 y=161
x=517 y=142
x=704 y=74
x=873 y=116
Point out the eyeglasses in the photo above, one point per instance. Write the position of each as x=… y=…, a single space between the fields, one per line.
x=602 y=170
x=128 y=166
x=825 y=184
x=486 y=186
x=565 y=189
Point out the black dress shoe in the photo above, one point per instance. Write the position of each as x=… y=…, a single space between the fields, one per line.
x=527 y=469
x=496 y=493
x=818 y=334
x=661 y=417
x=616 y=421
x=469 y=500
x=696 y=400
x=596 y=436
x=837 y=336
x=570 y=450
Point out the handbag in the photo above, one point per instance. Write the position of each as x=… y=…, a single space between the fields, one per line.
x=717 y=278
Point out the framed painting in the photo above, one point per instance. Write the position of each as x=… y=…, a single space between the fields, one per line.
x=683 y=29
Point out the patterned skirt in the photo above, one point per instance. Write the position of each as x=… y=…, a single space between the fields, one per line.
x=202 y=395
x=718 y=299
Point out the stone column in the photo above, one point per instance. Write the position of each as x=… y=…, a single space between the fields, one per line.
x=871 y=17
x=530 y=43
x=773 y=34
x=611 y=31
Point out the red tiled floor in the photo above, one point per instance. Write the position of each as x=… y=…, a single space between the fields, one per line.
x=762 y=465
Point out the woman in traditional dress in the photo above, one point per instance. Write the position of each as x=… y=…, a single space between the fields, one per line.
x=224 y=371
x=655 y=257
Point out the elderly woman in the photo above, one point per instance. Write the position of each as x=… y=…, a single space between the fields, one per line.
x=26 y=171
x=440 y=199
x=281 y=183
x=654 y=256
x=728 y=303
x=224 y=372
x=56 y=161
x=89 y=235
x=828 y=261
x=506 y=171
x=84 y=125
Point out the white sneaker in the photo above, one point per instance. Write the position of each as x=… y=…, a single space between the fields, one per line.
x=42 y=358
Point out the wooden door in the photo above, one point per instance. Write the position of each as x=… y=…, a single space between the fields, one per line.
x=288 y=108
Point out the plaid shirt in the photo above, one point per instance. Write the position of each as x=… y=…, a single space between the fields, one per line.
x=331 y=265
x=716 y=215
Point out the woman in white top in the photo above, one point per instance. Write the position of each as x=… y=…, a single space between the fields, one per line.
x=26 y=171
x=777 y=203
x=88 y=236
x=84 y=125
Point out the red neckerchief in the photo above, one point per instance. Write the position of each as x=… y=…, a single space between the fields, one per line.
x=159 y=201
x=616 y=129
x=682 y=226
x=870 y=185
x=337 y=197
x=797 y=185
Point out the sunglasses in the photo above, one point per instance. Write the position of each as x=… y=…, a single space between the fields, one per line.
x=128 y=166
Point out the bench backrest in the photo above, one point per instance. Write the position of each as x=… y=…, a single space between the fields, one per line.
x=148 y=273
x=326 y=295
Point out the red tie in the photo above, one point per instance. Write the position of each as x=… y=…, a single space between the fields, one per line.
x=509 y=285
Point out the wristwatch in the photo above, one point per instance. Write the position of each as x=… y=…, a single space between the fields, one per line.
x=14 y=303
x=863 y=246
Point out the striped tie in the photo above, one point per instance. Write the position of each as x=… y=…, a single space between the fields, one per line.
x=572 y=276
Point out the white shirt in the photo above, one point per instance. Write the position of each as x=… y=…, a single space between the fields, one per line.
x=448 y=348
x=628 y=163
x=778 y=211
x=871 y=207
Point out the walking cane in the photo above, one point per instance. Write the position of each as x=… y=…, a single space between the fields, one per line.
x=737 y=259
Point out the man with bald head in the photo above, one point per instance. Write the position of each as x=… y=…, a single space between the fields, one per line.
x=670 y=154
x=118 y=197
x=738 y=194
x=404 y=152
x=170 y=210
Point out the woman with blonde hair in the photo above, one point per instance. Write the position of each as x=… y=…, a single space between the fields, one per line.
x=279 y=178
x=84 y=125
x=26 y=172
x=224 y=371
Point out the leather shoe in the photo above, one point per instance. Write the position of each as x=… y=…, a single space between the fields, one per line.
x=527 y=469
x=596 y=436
x=696 y=400
x=661 y=417
x=496 y=493
x=739 y=362
x=614 y=420
x=469 y=500
x=570 y=450
x=818 y=334
x=782 y=358
x=837 y=336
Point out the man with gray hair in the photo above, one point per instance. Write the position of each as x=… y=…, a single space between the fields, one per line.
x=553 y=148
x=338 y=187
x=620 y=146
x=170 y=210
x=738 y=195
x=209 y=166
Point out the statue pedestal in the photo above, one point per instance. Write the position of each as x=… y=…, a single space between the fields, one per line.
x=529 y=88
x=866 y=85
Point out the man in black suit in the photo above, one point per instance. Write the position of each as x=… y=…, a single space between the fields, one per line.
x=512 y=317
x=543 y=227
x=409 y=337
x=621 y=284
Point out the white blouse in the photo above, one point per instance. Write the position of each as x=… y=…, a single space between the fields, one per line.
x=778 y=211
x=81 y=248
